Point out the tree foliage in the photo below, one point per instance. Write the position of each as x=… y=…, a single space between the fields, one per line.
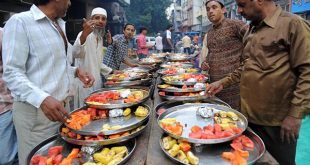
x=149 y=13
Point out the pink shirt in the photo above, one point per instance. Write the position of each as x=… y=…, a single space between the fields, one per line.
x=141 y=42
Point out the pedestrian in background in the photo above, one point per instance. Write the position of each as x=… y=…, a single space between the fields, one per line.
x=38 y=73
x=167 y=40
x=88 y=52
x=186 y=40
x=8 y=142
x=275 y=77
x=143 y=48
x=159 y=43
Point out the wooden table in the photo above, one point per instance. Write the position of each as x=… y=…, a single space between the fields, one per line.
x=148 y=150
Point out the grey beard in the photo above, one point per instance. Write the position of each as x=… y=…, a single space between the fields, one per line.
x=99 y=32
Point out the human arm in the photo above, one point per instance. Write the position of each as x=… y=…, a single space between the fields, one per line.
x=204 y=52
x=299 y=39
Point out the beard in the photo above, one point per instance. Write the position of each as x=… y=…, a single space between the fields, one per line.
x=99 y=32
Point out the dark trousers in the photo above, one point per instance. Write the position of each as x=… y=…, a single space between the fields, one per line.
x=167 y=50
x=187 y=50
x=283 y=152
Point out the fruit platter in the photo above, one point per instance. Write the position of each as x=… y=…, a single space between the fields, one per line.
x=118 y=97
x=126 y=76
x=139 y=69
x=184 y=79
x=245 y=149
x=202 y=123
x=184 y=96
x=94 y=140
x=139 y=82
x=149 y=61
x=55 y=150
x=91 y=121
x=177 y=65
x=185 y=88
x=179 y=57
x=172 y=71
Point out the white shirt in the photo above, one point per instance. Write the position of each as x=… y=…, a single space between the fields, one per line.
x=159 y=43
x=89 y=57
x=168 y=34
x=35 y=61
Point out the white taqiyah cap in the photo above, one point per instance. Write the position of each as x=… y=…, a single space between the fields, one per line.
x=99 y=10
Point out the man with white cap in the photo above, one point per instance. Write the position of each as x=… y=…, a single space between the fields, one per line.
x=88 y=51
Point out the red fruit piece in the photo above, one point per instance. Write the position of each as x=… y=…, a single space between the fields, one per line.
x=236 y=146
x=247 y=142
x=57 y=159
x=53 y=151
x=184 y=87
x=92 y=112
x=217 y=129
x=195 y=135
x=160 y=111
x=209 y=128
x=35 y=159
x=196 y=129
x=237 y=130
x=162 y=93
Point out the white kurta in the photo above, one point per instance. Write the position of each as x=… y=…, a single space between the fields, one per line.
x=89 y=57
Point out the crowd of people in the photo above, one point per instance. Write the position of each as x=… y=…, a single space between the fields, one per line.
x=261 y=69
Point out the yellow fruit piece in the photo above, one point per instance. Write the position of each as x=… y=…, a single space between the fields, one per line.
x=106 y=127
x=105 y=159
x=168 y=121
x=105 y=151
x=115 y=161
x=89 y=163
x=232 y=115
x=116 y=127
x=126 y=112
x=119 y=149
x=192 y=158
x=174 y=150
x=141 y=111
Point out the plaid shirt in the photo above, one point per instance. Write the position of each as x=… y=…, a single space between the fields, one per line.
x=6 y=99
x=116 y=52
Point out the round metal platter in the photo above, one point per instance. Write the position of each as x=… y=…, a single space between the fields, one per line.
x=162 y=71
x=212 y=154
x=142 y=82
x=179 y=58
x=177 y=65
x=129 y=122
x=186 y=114
x=140 y=69
x=180 y=82
x=105 y=141
x=168 y=104
x=156 y=61
x=184 y=98
x=176 y=89
x=119 y=103
x=138 y=76
x=56 y=140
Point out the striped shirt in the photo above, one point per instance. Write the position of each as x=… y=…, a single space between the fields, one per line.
x=35 y=61
x=116 y=52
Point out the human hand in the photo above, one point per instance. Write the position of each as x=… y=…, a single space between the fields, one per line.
x=205 y=66
x=214 y=88
x=117 y=72
x=109 y=37
x=54 y=110
x=87 y=79
x=290 y=129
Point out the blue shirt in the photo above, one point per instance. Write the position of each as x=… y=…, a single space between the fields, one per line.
x=116 y=52
x=35 y=61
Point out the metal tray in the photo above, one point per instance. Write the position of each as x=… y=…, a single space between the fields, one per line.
x=180 y=82
x=105 y=141
x=179 y=57
x=184 y=98
x=119 y=103
x=161 y=71
x=139 y=69
x=142 y=82
x=177 y=65
x=128 y=123
x=168 y=104
x=137 y=77
x=186 y=114
x=156 y=61
x=180 y=90
x=56 y=140
x=211 y=154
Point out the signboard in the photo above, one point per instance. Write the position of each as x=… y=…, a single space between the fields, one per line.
x=300 y=6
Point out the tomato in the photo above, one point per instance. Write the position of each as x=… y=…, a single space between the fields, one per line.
x=160 y=111
x=162 y=93
x=92 y=112
x=217 y=129
x=195 y=135
x=53 y=151
x=57 y=159
x=236 y=146
x=247 y=142
x=209 y=128
x=196 y=129
x=237 y=130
